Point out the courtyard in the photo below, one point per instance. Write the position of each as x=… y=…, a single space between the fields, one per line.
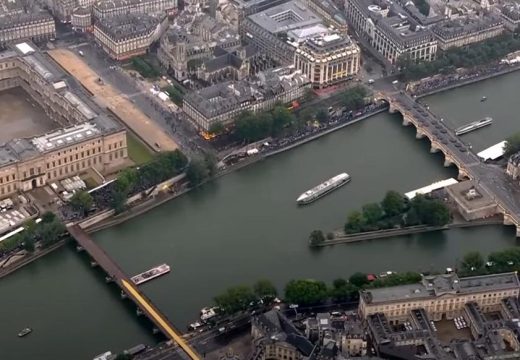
x=21 y=116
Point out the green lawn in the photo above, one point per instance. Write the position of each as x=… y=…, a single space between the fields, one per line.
x=137 y=151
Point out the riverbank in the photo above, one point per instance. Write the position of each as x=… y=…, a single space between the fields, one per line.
x=382 y=234
x=468 y=82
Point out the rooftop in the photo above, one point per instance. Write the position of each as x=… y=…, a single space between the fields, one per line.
x=128 y=26
x=465 y=26
x=104 y=5
x=433 y=286
x=285 y=17
x=395 y=21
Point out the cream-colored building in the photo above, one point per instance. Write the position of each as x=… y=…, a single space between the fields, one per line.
x=35 y=26
x=467 y=30
x=103 y=9
x=327 y=59
x=440 y=296
x=390 y=32
x=128 y=36
x=81 y=19
x=89 y=138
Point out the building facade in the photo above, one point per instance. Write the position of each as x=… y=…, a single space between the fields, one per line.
x=222 y=103
x=513 y=166
x=391 y=33
x=103 y=9
x=88 y=138
x=268 y=30
x=132 y=35
x=440 y=296
x=327 y=59
x=465 y=31
x=82 y=19
x=38 y=27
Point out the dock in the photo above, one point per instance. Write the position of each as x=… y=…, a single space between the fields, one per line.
x=432 y=187
x=493 y=152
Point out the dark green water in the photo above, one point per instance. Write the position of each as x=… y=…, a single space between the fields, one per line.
x=247 y=226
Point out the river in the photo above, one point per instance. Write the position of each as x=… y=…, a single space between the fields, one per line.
x=246 y=226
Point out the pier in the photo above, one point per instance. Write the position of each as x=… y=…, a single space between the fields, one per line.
x=491 y=179
x=493 y=152
x=129 y=290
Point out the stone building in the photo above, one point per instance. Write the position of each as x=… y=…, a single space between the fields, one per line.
x=472 y=202
x=128 y=36
x=89 y=138
x=329 y=12
x=268 y=30
x=467 y=30
x=38 y=27
x=276 y=338
x=81 y=19
x=441 y=296
x=327 y=59
x=103 y=9
x=513 y=166
x=223 y=102
x=204 y=48
x=390 y=32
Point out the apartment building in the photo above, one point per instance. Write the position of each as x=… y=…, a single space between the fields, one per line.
x=103 y=9
x=37 y=27
x=128 y=36
x=223 y=102
x=390 y=31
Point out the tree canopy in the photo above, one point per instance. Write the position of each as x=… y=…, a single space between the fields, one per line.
x=235 y=299
x=265 y=289
x=512 y=144
x=305 y=292
x=316 y=238
x=81 y=201
x=473 y=262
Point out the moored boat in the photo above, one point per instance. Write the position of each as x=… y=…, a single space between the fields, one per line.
x=150 y=274
x=323 y=189
x=474 y=126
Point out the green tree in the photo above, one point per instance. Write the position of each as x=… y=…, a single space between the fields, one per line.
x=473 y=262
x=355 y=223
x=358 y=279
x=372 y=213
x=344 y=293
x=235 y=299
x=118 y=202
x=423 y=7
x=27 y=240
x=50 y=233
x=354 y=98
x=197 y=171
x=126 y=180
x=265 y=289
x=338 y=283
x=48 y=216
x=305 y=292
x=322 y=115
x=316 y=238
x=512 y=144
x=81 y=201
x=393 y=204
x=217 y=128
x=282 y=117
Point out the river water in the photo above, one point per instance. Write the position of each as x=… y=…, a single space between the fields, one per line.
x=246 y=226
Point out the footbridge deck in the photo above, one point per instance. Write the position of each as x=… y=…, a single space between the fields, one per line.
x=127 y=286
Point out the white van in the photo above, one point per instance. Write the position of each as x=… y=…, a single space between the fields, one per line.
x=371 y=81
x=395 y=82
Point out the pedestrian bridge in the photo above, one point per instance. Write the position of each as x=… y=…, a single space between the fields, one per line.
x=442 y=138
x=101 y=258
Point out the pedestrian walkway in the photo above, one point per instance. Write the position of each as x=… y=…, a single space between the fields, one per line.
x=149 y=131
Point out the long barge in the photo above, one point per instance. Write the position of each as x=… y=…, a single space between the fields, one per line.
x=322 y=189
x=150 y=274
x=474 y=126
